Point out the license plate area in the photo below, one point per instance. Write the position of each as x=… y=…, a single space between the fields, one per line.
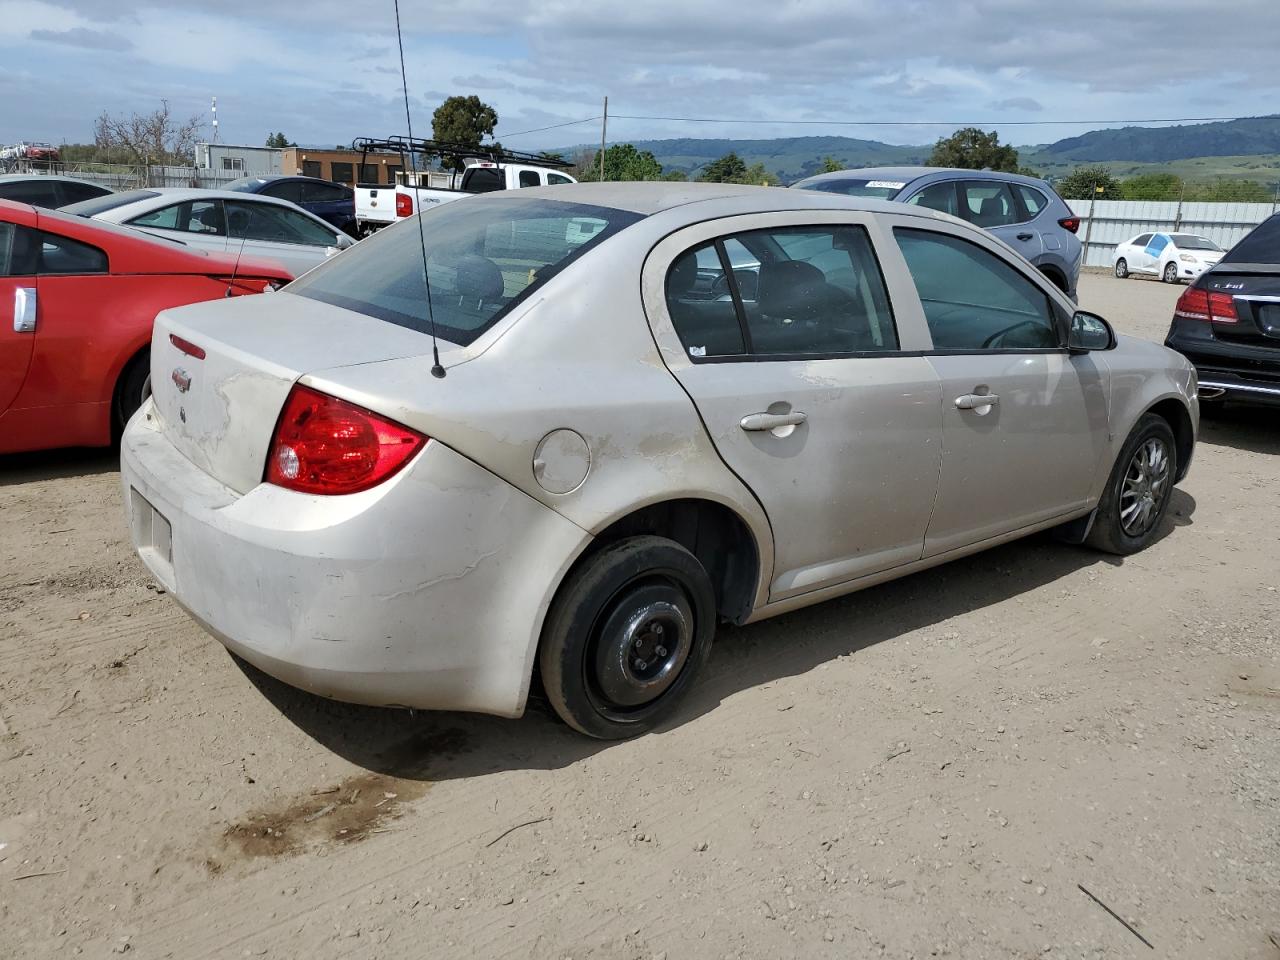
x=152 y=536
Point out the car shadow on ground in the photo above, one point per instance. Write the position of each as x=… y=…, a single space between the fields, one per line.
x=420 y=745
x=1247 y=428
x=18 y=468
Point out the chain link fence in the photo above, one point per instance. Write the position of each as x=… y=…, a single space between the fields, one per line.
x=122 y=176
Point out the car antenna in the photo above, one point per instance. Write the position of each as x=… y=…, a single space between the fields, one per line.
x=235 y=270
x=437 y=370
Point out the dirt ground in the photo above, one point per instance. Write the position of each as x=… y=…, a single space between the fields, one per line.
x=928 y=768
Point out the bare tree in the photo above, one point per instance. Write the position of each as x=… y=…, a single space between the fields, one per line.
x=149 y=138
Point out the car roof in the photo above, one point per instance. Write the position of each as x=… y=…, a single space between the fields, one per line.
x=706 y=200
x=163 y=196
x=909 y=174
x=15 y=177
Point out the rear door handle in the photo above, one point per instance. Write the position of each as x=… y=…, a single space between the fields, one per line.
x=772 y=421
x=972 y=401
x=24 y=310
x=1025 y=236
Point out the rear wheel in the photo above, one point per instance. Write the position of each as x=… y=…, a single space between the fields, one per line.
x=1171 y=272
x=1122 y=268
x=626 y=635
x=1138 y=490
x=132 y=389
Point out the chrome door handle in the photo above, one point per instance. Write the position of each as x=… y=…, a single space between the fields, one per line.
x=971 y=401
x=772 y=421
x=24 y=310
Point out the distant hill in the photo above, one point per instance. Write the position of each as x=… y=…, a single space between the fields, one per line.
x=1125 y=150
x=1230 y=138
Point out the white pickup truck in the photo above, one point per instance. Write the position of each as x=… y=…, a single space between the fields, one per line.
x=480 y=176
x=376 y=202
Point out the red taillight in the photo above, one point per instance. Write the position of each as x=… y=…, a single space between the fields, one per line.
x=404 y=205
x=186 y=346
x=326 y=445
x=1197 y=304
x=1070 y=223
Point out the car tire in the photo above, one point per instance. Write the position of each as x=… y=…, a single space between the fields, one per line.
x=1170 y=274
x=1138 y=490
x=1122 y=269
x=132 y=390
x=626 y=636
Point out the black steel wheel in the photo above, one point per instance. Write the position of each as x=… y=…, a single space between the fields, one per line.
x=626 y=635
x=1138 y=490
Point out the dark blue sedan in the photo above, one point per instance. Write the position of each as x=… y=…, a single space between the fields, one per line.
x=331 y=202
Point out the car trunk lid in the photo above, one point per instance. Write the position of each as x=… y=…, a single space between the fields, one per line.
x=220 y=371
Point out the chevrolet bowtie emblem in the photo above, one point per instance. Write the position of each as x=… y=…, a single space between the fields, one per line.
x=181 y=379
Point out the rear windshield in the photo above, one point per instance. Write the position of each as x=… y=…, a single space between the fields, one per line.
x=876 y=189
x=1187 y=241
x=1260 y=246
x=245 y=184
x=91 y=208
x=483 y=257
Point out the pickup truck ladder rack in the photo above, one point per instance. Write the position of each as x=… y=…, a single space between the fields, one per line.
x=440 y=148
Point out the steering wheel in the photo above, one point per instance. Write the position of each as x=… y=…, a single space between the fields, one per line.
x=991 y=340
x=720 y=285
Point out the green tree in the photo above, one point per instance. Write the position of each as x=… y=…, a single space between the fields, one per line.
x=622 y=161
x=675 y=176
x=1152 y=186
x=727 y=169
x=1083 y=182
x=279 y=140
x=972 y=149
x=756 y=174
x=465 y=120
x=831 y=165
x=1237 y=191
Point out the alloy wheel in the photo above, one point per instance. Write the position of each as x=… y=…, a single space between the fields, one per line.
x=1145 y=487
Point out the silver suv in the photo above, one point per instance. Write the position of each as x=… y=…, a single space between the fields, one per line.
x=1024 y=212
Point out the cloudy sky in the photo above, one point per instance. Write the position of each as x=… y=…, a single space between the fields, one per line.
x=325 y=71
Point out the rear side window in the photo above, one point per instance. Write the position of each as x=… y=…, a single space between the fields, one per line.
x=483 y=258
x=972 y=299
x=483 y=180
x=988 y=203
x=1140 y=241
x=786 y=292
x=1262 y=245
x=25 y=252
x=1032 y=199
x=529 y=178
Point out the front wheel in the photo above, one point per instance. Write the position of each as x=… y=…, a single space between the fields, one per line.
x=1122 y=268
x=626 y=635
x=1138 y=490
x=1171 y=273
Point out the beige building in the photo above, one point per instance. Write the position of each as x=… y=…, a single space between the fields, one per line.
x=341 y=166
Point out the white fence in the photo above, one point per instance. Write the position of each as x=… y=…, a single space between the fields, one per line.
x=1106 y=223
x=128 y=177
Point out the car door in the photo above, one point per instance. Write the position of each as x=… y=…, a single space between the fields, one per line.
x=274 y=231
x=1035 y=219
x=19 y=304
x=196 y=223
x=1153 y=253
x=1024 y=421
x=990 y=204
x=807 y=386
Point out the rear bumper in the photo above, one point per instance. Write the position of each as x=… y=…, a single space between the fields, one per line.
x=1228 y=371
x=1219 y=385
x=428 y=591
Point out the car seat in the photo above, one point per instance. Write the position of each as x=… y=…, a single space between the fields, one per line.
x=707 y=328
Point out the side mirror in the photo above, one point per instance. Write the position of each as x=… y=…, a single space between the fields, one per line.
x=1090 y=332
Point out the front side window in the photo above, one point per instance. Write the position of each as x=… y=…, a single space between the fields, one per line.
x=938 y=196
x=483 y=258
x=1157 y=244
x=794 y=291
x=290 y=190
x=554 y=178
x=988 y=203
x=274 y=224
x=974 y=300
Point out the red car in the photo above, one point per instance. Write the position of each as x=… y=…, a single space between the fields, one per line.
x=77 y=301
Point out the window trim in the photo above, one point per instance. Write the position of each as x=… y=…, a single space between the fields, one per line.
x=1061 y=322
x=740 y=309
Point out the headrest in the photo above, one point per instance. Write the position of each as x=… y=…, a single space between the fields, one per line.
x=478 y=278
x=683 y=275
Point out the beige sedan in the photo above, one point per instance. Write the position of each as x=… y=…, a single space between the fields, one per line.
x=655 y=408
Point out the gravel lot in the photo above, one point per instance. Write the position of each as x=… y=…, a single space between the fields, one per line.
x=928 y=768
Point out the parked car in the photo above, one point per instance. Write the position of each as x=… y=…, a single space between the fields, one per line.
x=48 y=190
x=1170 y=256
x=81 y=297
x=627 y=446
x=1227 y=322
x=480 y=176
x=223 y=221
x=1024 y=212
x=334 y=203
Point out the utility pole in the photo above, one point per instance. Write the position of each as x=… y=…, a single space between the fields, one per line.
x=604 y=130
x=1088 y=230
x=214 y=108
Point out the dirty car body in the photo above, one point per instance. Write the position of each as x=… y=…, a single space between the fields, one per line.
x=635 y=439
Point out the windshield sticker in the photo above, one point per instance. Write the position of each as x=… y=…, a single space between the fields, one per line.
x=886 y=184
